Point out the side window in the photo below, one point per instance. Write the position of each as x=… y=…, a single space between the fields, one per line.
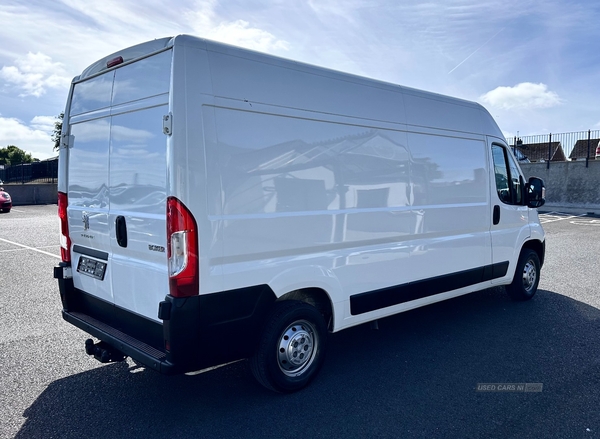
x=508 y=181
x=515 y=181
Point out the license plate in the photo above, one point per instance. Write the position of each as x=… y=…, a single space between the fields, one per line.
x=91 y=267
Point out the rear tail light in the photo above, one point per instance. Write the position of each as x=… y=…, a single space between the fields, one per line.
x=182 y=250
x=65 y=240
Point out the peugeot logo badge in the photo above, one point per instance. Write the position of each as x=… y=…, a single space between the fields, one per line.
x=85 y=217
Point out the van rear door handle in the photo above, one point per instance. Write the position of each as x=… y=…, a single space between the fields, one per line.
x=496 y=218
x=121 y=231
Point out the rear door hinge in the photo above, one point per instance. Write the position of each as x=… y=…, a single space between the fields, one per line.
x=66 y=141
x=168 y=124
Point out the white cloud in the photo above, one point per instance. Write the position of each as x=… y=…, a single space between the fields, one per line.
x=523 y=95
x=344 y=9
x=240 y=33
x=202 y=19
x=508 y=134
x=34 y=73
x=43 y=123
x=35 y=138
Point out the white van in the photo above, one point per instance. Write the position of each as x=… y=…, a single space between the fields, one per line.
x=218 y=204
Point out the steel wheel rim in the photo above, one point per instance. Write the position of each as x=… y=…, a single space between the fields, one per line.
x=529 y=275
x=297 y=347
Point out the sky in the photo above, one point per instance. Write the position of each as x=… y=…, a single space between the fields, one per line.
x=535 y=65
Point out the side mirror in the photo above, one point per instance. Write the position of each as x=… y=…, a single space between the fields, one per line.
x=536 y=192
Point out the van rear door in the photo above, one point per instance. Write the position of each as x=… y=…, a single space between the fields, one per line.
x=88 y=186
x=138 y=184
x=117 y=184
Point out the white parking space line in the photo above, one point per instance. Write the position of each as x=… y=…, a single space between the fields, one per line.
x=16 y=210
x=30 y=248
x=587 y=222
x=551 y=217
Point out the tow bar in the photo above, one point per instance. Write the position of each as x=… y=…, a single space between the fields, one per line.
x=103 y=352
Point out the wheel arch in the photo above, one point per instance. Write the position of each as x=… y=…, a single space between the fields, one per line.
x=313 y=284
x=538 y=247
x=316 y=297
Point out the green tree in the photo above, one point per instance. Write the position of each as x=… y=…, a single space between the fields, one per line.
x=57 y=131
x=13 y=155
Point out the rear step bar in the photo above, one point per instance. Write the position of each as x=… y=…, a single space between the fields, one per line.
x=115 y=343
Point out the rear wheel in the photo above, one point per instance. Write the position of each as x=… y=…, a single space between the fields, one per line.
x=292 y=347
x=527 y=276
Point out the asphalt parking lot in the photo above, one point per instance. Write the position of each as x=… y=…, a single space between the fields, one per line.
x=416 y=376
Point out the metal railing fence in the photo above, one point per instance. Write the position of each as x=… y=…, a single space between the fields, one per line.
x=38 y=172
x=580 y=145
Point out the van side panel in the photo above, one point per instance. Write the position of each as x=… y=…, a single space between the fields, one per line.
x=369 y=206
x=328 y=177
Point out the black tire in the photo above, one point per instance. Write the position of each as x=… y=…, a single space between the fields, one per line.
x=527 y=276
x=292 y=347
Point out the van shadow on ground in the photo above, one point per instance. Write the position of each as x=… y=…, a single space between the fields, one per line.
x=414 y=377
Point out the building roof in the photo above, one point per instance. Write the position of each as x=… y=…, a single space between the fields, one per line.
x=536 y=152
x=580 y=150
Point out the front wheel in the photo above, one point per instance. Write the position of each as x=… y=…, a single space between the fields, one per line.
x=527 y=276
x=292 y=347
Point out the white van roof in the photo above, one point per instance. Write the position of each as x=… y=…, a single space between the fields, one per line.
x=451 y=110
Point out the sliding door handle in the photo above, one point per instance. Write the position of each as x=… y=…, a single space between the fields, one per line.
x=496 y=218
x=121 y=231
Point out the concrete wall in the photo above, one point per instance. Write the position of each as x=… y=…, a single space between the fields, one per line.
x=568 y=184
x=22 y=194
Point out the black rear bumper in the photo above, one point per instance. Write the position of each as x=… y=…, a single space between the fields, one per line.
x=138 y=350
x=196 y=332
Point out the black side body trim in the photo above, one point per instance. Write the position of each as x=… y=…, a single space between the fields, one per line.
x=91 y=252
x=373 y=300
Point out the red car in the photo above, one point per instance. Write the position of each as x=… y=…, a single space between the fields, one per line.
x=5 y=201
